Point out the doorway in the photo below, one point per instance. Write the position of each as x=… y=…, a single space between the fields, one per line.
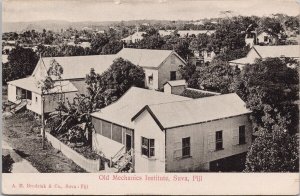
x=128 y=142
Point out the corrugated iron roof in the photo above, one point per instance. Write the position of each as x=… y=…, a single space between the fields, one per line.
x=200 y=110
x=177 y=83
x=145 y=57
x=78 y=66
x=291 y=51
x=131 y=103
x=33 y=85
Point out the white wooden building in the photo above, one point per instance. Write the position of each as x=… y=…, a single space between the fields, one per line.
x=160 y=66
x=171 y=133
x=263 y=52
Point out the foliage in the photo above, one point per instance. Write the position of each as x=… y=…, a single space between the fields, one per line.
x=151 y=42
x=55 y=69
x=7 y=162
x=21 y=63
x=190 y=74
x=195 y=94
x=216 y=76
x=76 y=135
x=70 y=114
x=114 y=82
x=270 y=87
x=274 y=150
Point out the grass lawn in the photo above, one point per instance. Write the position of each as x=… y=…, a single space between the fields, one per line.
x=21 y=132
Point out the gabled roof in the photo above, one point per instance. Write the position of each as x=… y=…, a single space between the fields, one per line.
x=176 y=83
x=31 y=84
x=195 y=111
x=146 y=58
x=131 y=102
x=291 y=51
x=76 y=66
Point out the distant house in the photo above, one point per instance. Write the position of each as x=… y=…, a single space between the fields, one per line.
x=136 y=37
x=160 y=66
x=163 y=33
x=171 y=133
x=265 y=38
x=194 y=33
x=203 y=56
x=262 y=52
x=208 y=56
x=81 y=44
x=250 y=39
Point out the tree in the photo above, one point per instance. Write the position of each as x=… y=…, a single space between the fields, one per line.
x=21 y=63
x=151 y=42
x=112 y=47
x=190 y=74
x=217 y=76
x=114 y=82
x=270 y=25
x=270 y=87
x=274 y=150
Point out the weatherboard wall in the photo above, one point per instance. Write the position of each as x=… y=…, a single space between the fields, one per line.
x=145 y=126
x=172 y=63
x=202 y=139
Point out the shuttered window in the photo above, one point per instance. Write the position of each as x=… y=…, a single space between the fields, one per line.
x=186 y=147
x=242 y=135
x=148 y=147
x=219 y=140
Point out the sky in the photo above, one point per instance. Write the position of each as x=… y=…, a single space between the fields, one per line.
x=117 y=10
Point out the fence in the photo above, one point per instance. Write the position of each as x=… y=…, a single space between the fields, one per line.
x=87 y=164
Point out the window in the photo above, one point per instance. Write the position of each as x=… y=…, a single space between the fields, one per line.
x=219 y=140
x=265 y=38
x=242 y=135
x=208 y=54
x=186 y=147
x=150 y=79
x=148 y=147
x=173 y=75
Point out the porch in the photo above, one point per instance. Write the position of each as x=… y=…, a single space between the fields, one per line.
x=116 y=154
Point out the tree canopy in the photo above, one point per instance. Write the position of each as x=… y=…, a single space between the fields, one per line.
x=216 y=76
x=273 y=151
x=21 y=63
x=270 y=83
x=114 y=82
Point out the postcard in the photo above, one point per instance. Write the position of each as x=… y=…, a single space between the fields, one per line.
x=150 y=97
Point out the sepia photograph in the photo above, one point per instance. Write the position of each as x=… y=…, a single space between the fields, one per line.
x=149 y=90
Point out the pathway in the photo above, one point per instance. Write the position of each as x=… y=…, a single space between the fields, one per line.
x=20 y=165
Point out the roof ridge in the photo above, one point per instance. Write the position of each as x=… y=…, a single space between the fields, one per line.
x=142 y=49
x=210 y=97
x=80 y=56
